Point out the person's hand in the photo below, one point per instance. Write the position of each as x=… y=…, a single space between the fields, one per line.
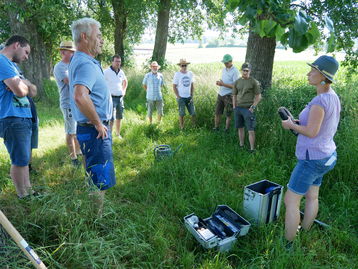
x=219 y=82
x=287 y=124
x=102 y=131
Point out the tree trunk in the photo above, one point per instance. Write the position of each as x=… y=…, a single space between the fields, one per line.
x=120 y=22
x=161 y=34
x=260 y=53
x=38 y=66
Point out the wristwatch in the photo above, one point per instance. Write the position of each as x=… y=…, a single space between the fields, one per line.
x=253 y=107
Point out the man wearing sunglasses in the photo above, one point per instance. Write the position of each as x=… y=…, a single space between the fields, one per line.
x=246 y=96
x=183 y=86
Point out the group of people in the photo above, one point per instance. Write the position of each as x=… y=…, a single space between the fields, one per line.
x=89 y=97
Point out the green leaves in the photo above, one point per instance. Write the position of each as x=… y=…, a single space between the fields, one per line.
x=301 y=25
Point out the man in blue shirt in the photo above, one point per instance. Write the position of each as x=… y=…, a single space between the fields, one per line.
x=15 y=112
x=92 y=107
x=152 y=83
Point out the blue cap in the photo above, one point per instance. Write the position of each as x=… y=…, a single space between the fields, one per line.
x=327 y=65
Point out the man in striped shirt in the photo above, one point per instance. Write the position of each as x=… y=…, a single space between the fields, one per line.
x=152 y=83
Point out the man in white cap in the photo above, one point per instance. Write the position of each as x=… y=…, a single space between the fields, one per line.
x=224 y=100
x=152 y=83
x=61 y=75
x=183 y=86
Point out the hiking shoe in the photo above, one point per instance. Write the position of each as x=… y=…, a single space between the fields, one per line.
x=216 y=129
x=226 y=131
x=252 y=151
x=76 y=163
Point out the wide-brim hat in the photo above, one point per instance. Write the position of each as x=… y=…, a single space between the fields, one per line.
x=227 y=58
x=67 y=45
x=183 y=61
x=154 y=63
x=326 y=65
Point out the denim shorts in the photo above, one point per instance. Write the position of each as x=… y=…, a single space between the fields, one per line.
x=309 y=173
x=154 y=103
x=244 y=117
x=188 y=103
x=118 y=107
x=35 y=135
x=98 y=155
x=70 y=123
x=17 y=139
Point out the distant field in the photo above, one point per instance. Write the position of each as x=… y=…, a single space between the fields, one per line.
x=207 y=55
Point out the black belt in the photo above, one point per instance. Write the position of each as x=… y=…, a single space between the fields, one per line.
x=117 y=96
x=85 y=124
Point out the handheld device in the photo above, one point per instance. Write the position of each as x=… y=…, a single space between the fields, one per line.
x=285 y=114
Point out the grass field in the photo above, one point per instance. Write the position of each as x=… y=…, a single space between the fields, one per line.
x=142 y=226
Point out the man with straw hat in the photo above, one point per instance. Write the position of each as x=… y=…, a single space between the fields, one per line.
x=152 y=83
x=61 y=75
x=183 y=86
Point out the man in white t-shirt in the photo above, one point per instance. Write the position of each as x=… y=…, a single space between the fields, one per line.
x=117 y=83
x=183 y=86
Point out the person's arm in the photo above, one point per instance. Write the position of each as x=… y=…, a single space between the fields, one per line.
x=144 y=83
x=18 y=86
x=85 y=105
x=257 y=100
x=315 y=119
x=192 y=89
x=234 y=101
x=32 y=88
x=221 y=83
x=124 y=86
x=175 y=89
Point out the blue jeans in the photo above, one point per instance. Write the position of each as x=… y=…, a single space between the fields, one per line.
x=99 y=156
x=17 y=139
x=309 y=173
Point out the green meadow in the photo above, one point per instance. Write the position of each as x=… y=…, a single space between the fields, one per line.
x=142 y=225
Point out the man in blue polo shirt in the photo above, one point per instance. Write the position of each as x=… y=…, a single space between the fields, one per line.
x=15 y=112
x=92 y=107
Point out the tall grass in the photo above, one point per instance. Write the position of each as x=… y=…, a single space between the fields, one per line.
x=142 y=225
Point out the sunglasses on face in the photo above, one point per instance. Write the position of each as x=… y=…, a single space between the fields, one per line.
x=183 y=65
x=246 y=70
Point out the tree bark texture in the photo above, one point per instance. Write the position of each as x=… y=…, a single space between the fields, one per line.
x=260 y=54
x=161 y=34
x=37 y=68
x=120 y=22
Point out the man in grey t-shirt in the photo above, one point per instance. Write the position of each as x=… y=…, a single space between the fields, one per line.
x=61 y=75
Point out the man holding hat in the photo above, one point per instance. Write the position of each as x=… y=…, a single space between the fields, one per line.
x=61 y=75
x=246 y=96
x=183 y=86
x=224 y=100
x=152 y=83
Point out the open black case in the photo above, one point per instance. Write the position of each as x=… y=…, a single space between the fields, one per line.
x=219 y=230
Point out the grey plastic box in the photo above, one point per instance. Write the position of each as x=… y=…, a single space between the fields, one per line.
x=232 y=224
x=262 y=201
